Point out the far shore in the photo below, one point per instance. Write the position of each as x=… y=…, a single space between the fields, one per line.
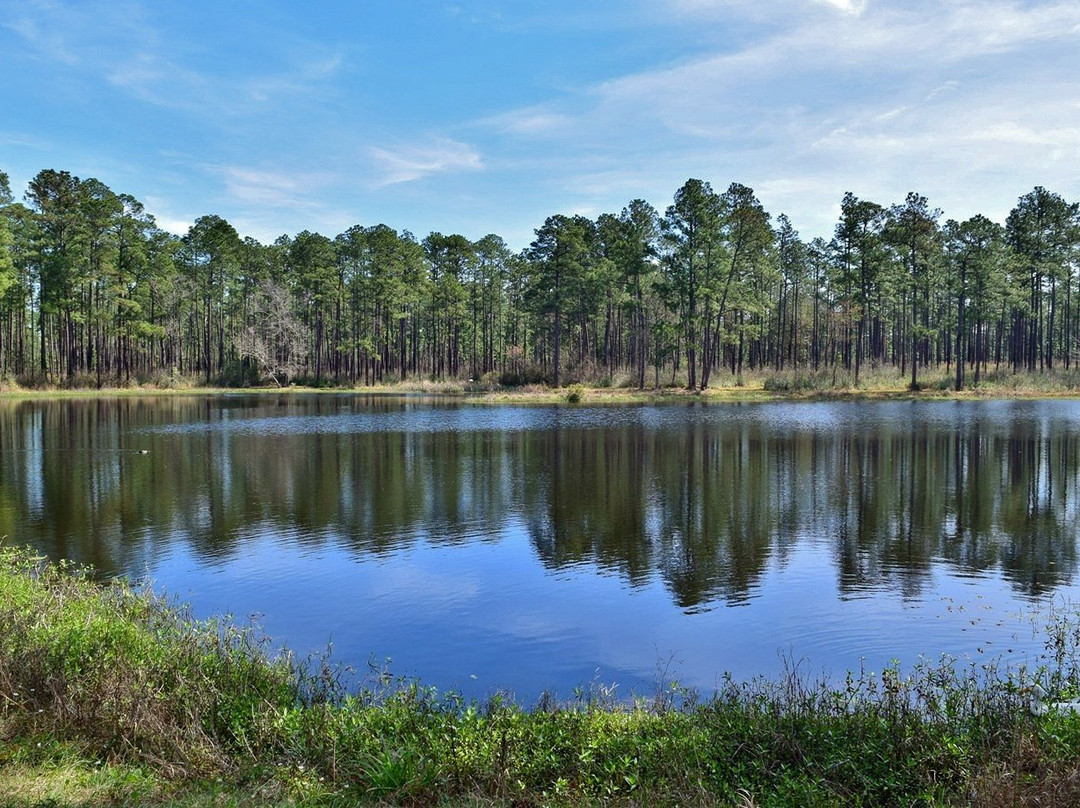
x=877 y=385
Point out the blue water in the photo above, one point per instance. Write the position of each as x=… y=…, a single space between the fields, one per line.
x=522 y=549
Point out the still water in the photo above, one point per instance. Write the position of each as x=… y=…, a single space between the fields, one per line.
x=524 y=548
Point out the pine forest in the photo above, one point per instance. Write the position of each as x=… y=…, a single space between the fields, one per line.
x=93 y=293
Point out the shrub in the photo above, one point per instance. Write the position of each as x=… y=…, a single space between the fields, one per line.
x=530 y=374
x=121 y=676
x=789 y=381
x=126 y=673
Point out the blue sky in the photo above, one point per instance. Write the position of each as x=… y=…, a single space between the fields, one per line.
x=481 y=116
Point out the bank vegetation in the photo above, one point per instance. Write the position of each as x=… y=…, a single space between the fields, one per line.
x=112 y=695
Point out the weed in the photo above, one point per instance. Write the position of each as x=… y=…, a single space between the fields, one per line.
x=110 y=694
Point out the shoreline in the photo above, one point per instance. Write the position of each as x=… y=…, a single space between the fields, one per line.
x=233 y=724
x=757 y=390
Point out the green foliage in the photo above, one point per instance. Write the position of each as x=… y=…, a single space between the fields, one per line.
x=530 y=374
x=93 y=293
x=93 y=674
x=125 y=673
x=559 y=285
x=7 y=264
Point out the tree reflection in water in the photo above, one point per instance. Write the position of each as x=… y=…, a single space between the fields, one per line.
x=703 y=499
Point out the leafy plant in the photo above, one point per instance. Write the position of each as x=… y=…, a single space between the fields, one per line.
x=113 y=678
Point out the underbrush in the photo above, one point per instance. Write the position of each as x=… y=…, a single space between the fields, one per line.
x=1047 y=382
x=887 y=379
x=529 y=381
x=872 y=379
x=792 y=381
x=110 y=694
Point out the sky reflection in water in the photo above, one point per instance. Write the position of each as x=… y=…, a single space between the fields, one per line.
x=532 y=548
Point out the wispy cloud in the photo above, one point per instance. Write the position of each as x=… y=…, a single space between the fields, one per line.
x=24 y=140
x=854 y=7
x=776 y=10
x=411 y=161
x=177 y=225
x=120 y=44
x=264 y=188
x=258 y=200
x=30 y=23
x=800 y=99
x=301 y=79
x=537 y=120
x=156 y=80
x=876 y=96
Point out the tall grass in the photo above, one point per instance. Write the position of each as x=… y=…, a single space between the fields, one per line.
x=120 y=680
x=888 y=379
x=126 y=674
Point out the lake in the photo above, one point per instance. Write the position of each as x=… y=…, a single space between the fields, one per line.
x=529 y=548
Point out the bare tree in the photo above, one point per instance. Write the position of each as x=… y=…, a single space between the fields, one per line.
x=274 y=338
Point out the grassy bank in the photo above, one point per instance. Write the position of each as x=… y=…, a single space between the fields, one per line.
x=112 y=696
x=762 y=385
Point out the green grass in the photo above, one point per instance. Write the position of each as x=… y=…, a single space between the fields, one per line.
x=111 y=695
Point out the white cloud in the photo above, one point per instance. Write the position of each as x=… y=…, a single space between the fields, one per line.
x=853 y=7
x=1063 y=142
x=45 y=38
x=273 y=189
x=298 y=81
x=775 y=10
x=947 y=87
x=537 y=120
x=170 y=224
x=406 y=162
x=165 y=217
x=24 y=140
x=960 y=101
x=119 y=43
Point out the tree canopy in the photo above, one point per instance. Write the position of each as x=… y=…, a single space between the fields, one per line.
x=92 y=291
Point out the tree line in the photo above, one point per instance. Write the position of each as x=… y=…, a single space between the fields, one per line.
x=92 y=291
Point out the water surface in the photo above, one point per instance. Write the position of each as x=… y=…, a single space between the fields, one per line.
x=525 y=548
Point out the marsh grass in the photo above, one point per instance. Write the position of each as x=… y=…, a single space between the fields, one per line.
x=935 y=382
x=531 y=385
x=111 y=695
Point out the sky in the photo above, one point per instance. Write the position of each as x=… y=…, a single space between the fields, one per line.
x=487 y=116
